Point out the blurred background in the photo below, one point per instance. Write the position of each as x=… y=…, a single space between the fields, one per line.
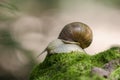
x=27 y=26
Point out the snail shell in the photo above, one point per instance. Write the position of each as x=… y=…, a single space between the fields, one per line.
x=77 y=32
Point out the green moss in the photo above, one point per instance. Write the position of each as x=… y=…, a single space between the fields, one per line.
x=72 y=66
x=62 y=66
x=106 y=56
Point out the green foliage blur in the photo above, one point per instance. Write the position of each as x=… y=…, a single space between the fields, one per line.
x=111 y=3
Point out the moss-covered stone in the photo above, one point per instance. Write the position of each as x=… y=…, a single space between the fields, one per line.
x=72 y=66
x=115 y=75
x=105 y=56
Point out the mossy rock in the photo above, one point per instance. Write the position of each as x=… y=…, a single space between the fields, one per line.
x=115 y=75
x=72 y=66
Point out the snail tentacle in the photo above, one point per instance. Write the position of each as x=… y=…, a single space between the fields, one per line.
x=42 y=52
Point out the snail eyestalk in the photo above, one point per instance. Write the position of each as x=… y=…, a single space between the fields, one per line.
x=41 y=52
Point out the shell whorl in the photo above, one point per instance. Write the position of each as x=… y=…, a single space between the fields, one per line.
x=77 y=32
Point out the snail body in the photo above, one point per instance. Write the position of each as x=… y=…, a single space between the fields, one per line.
x=66 y=48
x=77 y=32
x=60 y=46
x=53 y=45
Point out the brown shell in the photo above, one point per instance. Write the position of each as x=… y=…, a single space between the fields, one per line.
x=77 y=32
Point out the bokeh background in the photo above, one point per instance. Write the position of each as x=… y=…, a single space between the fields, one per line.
x=27 y=26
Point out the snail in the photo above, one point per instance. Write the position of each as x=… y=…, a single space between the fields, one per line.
x=74 y=37
x=77 y=32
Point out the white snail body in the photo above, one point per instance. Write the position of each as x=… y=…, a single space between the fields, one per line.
x=67 y=48
x=53 y=45
x=60 y=46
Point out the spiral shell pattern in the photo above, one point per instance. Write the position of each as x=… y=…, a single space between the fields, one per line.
x=77 y=32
